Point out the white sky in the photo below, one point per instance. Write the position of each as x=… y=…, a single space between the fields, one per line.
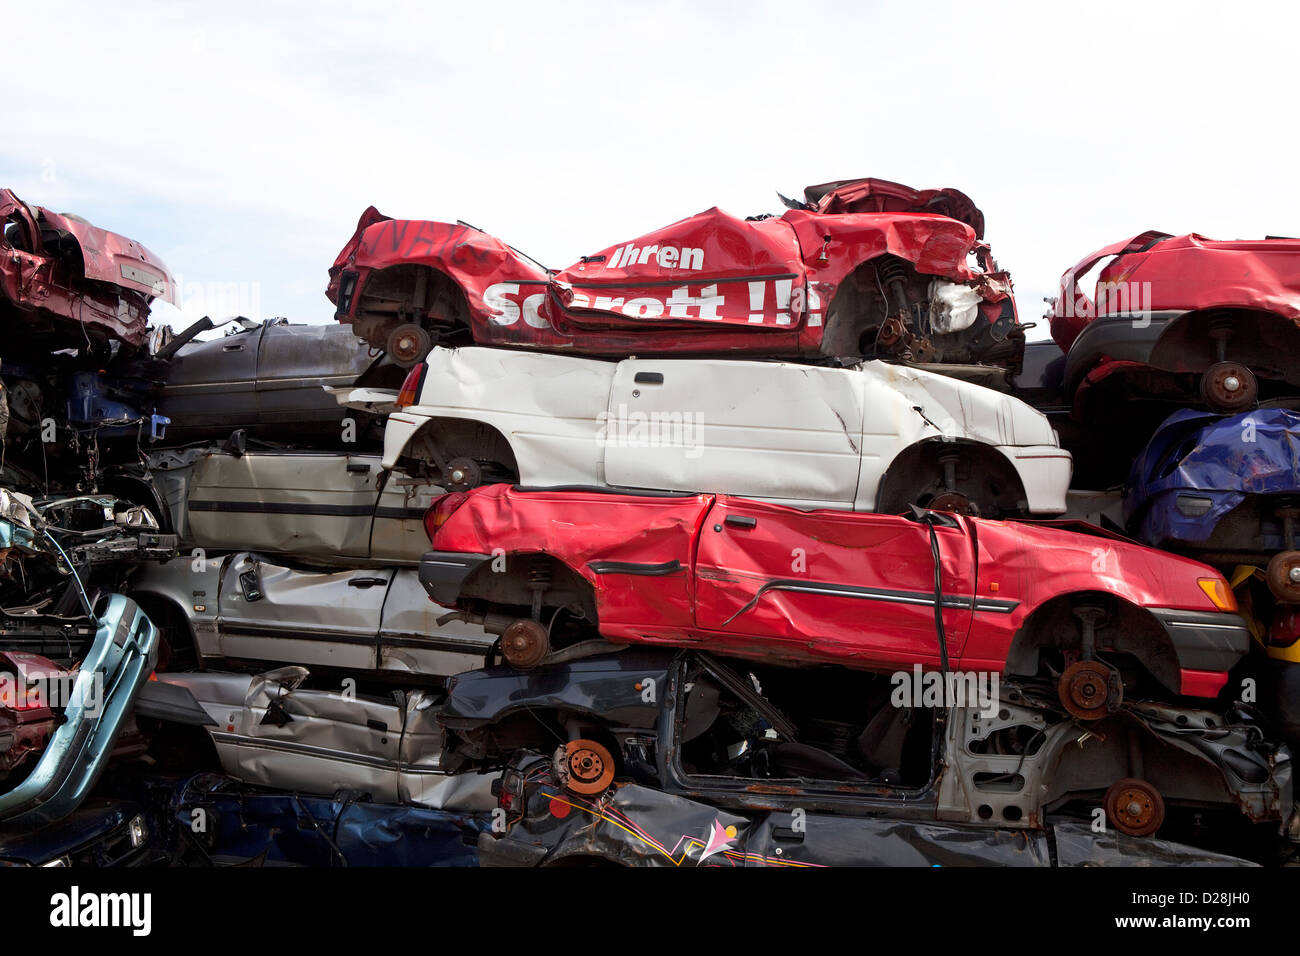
x=240 y=141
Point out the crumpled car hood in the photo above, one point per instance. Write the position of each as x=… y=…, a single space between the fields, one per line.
x=881 y=195
x=1222 y=459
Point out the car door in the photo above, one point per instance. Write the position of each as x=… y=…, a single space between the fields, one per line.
x=270 y=612
x=319 y=741
x=296 y=364
x=314 y=504
x=412 y=641
x=211 y=385
x=770 y=430
x=851 y=587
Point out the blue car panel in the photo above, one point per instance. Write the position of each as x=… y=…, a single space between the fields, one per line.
x=122 y=656
x=1199 y=467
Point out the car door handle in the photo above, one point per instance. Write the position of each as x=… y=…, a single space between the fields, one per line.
x=358 y=468
x=233 y=348
x=648 y=378
x=740 y=521
x=366 y=582
x=787 y=833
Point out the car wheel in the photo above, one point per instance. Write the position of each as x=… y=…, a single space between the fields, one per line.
x=1229 y=387
x=1134 y=807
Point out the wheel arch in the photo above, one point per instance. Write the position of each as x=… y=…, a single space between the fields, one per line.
x=1258 y=337
x=459 y=435
x=509 y=588
x=924 y=454
x=1129 y=628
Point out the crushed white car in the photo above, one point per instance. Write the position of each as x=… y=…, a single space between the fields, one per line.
x=871 y=437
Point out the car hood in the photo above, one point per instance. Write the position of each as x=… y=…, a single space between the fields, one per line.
x=881 y=195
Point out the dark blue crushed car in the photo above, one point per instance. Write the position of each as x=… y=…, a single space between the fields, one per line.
x=218 y=821
x=1225 y=489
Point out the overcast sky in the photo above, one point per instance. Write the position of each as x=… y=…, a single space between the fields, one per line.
x=240 y=141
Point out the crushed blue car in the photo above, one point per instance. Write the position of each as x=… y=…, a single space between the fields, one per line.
x=219 y=821
x=1224 y=489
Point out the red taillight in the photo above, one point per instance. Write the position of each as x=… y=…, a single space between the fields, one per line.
x=410 y=391
x=442 y=510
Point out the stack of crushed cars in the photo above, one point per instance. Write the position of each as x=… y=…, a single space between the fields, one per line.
x=764 y=541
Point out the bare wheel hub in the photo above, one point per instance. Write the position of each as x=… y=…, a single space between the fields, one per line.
x=953 y=501
x=1134 y=807
x=1229 y=387
x=462 y=475
x=407 y=344
x=524 y=643
x=584 y=766
x=1283 y=576
x=1089 y=690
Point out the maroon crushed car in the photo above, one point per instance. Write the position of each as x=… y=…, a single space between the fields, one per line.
x=61 y=276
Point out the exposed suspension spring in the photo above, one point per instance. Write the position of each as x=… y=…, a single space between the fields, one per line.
x=893 y=275
x=539 y=582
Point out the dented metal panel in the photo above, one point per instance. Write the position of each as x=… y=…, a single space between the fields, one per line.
x=803 y=285
x=58 y=273
x=1198 y=468
x=818 y=437
x=272 y=732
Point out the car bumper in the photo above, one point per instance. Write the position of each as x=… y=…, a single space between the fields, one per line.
x=444 y=572
x=398 y=432
x=120 y=660
x=1125 y=337
x=503 y=851
x=1208 y=644
x=1044 y=472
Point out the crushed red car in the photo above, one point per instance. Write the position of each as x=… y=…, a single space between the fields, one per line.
x=61 y=276
x=858 y=269
x=753 y=579
x=1183 y=317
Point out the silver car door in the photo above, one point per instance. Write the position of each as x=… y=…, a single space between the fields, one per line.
x=317 y=505
x=318 y=741
x=411 y=640
x=270 y=612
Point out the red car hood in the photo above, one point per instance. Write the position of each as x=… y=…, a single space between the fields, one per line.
x=880 y=195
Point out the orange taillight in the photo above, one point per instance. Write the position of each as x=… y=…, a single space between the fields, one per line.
x=410 y=391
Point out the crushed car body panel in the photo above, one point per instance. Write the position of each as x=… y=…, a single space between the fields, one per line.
x=247 y=826
x=846 y=438
x=272 y=732
x=716 y=570
x=57 y=269
x=1199 y=468
x=709 y=284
